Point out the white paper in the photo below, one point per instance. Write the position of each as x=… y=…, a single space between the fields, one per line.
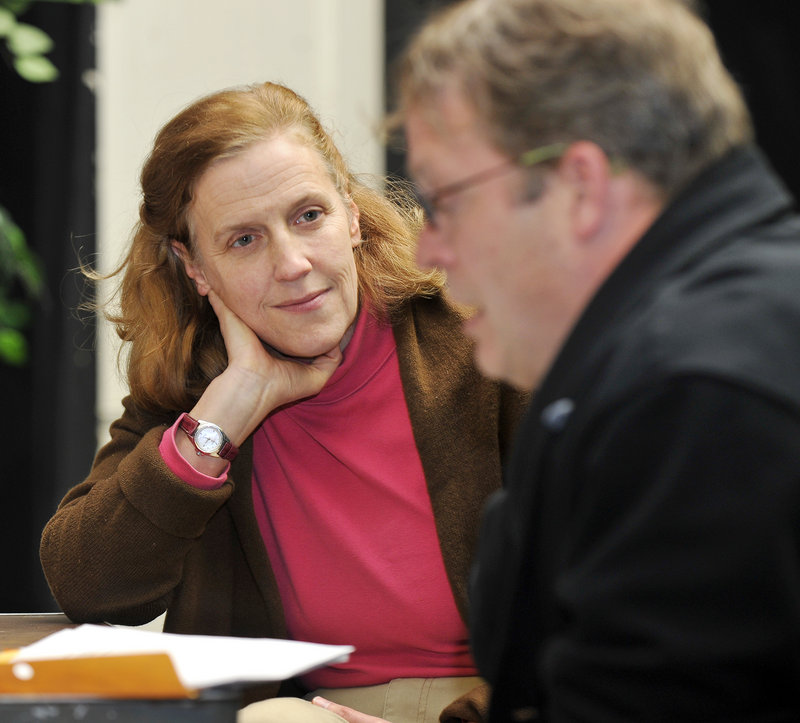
x=200 y=661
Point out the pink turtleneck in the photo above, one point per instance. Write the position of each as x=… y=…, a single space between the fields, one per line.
x=342 y=504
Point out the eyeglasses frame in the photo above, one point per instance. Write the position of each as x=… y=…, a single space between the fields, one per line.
x=430 y=201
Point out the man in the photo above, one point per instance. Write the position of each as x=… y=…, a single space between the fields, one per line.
x=593 y=192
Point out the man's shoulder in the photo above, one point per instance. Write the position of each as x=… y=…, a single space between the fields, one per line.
x=734 y=316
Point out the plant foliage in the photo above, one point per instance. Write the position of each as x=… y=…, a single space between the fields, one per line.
x=24 y=47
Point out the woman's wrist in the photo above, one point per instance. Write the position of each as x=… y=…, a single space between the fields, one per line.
x=236 y=401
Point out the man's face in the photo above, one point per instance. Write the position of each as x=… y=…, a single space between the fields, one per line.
x=506 y=256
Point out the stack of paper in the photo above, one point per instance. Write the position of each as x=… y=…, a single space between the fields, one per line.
x=116 y=662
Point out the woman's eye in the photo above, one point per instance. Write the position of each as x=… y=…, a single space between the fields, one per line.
x=309 y=216
x=244 y=240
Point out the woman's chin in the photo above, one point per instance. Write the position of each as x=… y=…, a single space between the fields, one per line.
x=302 y=356
x=305 y=348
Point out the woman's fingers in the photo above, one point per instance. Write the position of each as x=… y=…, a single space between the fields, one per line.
x=350 y=715
x=287 y=379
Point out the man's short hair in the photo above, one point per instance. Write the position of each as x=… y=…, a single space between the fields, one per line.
x=641 y=78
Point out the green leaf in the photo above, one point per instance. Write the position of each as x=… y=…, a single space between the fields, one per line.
x=7 y=22
x=36 y=69
x=29 y=274
x=14 y=314
x=10 y=235
x=10 y=232
x=13 y=347
x=16 y=6
x=16 y=259
x=25 y=39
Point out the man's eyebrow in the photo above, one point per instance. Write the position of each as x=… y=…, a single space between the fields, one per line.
x=415 y=171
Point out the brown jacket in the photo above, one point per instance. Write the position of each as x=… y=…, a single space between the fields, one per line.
x=133 y=540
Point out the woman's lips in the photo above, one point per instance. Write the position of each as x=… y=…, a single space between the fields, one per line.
x=309 y=302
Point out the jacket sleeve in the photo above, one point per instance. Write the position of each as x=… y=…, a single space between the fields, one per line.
x=115 y=548
x=676 y=595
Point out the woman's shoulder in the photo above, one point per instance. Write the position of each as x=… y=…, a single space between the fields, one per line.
x=429 y=334
x=437 y=309
x=138 y=416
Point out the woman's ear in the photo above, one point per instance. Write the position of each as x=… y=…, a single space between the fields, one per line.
x=193 y=270
x=355 y=227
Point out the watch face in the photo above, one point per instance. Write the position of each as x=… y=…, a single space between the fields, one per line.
x=208 y=438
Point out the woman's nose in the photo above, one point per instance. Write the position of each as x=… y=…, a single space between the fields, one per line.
x=289 y=258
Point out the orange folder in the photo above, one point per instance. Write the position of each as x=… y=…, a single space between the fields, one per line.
x=141 y=676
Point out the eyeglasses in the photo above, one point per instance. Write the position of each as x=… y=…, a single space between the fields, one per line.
x=430 y=202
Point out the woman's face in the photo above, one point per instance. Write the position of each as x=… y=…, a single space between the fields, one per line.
x=274 y=239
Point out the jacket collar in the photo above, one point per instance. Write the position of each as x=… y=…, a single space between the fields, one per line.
x=737 y=192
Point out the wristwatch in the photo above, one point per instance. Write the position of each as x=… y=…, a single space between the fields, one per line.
x=208 y=439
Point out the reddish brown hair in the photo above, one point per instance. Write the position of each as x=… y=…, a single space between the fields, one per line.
x=174 y=344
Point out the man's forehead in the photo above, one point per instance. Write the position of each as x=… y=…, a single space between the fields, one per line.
x=446 y=122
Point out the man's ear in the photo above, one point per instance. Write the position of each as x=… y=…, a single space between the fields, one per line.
x=587 y=169
x=193 y=270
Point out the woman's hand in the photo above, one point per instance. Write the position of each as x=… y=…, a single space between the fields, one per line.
x=254 y=383
x=286 y=380
x=350 y=715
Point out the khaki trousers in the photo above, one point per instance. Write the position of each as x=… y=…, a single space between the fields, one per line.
x=405 y=700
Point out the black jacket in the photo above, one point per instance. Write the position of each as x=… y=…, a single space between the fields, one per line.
x=643 y=561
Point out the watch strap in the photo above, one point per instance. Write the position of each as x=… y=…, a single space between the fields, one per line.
x=188 y=424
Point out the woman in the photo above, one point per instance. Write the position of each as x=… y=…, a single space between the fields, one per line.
x=293 y=459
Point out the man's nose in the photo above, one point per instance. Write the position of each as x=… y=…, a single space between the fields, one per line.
x=433 y=250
